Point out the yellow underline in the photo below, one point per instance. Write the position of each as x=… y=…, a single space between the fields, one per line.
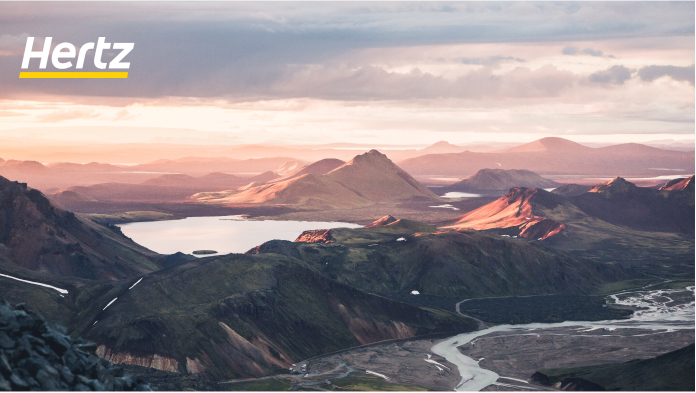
x=72 y=75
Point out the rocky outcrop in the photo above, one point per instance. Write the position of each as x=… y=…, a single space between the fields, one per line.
x=154 y=361
x=316 y=236
x=34 y=356
x=384 y=221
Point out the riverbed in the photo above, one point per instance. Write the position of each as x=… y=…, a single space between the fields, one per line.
x=656 y=311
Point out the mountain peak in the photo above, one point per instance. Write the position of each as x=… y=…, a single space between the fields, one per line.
x=383 y=221
x=617 y=185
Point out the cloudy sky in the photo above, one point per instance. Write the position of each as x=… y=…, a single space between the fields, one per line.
x=384 y=72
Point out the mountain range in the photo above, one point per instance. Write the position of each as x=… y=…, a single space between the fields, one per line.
x=499 y=179
x=557 y=156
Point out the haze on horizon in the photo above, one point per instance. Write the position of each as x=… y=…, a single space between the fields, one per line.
x=364 y=73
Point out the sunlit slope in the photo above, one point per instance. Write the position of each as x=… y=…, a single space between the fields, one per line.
x=365 y=180
x=246 y=315
x=518 y=212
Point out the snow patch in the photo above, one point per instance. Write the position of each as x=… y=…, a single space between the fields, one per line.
x=415 y=293
x=36 y=283
x=109 y=303
x=136 y=283
x=401 y=239
x=377 y=374
x=446 y=206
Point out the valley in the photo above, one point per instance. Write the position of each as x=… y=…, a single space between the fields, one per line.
x=211 y=278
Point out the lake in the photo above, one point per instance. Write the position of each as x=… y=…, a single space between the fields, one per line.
x=226 y=234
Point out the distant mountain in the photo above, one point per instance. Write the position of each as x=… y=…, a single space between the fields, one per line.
x=39 y=236
x=500 y=179
x=548 y=145
x=556 y=156
x=90 y=167
x=516 y=213
x=366 y=179
x=441 y=148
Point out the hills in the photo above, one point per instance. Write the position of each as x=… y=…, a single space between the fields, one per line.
x=557 y=156
x=365 y=180
x=517 y=213
x=614 y=221
x=500 y=179
x=38 y=236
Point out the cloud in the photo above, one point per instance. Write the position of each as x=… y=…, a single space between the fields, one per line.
x=13 y=45
x=488 y=61
x=574 y=51
x=67 y=114
x=615 y=75
x=650 y=73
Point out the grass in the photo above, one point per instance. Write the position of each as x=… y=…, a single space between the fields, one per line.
x=368 y=383
x=204 y=252
x=131 y=216
x=546 y=309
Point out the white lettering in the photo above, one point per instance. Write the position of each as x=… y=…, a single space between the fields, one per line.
x=58 y=54
x=43 y=55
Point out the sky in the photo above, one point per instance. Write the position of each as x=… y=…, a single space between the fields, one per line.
x=375 y=73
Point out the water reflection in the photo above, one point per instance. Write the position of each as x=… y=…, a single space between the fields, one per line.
x=227 y=234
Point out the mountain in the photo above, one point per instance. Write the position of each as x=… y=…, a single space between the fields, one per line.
x=556 y=156
x=622 y=203
x=244 y=316
x=443 y=266
x=39 y=236
x=679 y=184
x=551 y=144
x=516 y=213
x=441 y=148
x=365 y=180
x=500 y=179
x=320 y=167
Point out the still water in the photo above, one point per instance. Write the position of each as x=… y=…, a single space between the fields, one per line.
x=226 y=234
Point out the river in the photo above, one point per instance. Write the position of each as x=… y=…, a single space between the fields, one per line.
x=658 y=311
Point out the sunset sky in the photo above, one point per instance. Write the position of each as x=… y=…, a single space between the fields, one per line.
x=375 y=73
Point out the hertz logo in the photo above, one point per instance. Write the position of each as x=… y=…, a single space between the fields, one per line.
x=65 y=52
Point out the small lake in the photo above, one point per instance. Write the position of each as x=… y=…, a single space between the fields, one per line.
x=226 y=234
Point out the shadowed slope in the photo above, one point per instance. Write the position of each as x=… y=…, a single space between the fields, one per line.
x=39 y=236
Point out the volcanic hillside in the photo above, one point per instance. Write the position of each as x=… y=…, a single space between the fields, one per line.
x=365 y=180
x=500 y=179
x=41 y=237
x=516 y=213
x=557 y=156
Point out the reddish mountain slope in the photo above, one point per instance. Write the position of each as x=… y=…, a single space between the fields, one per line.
x=514 y=212
x=679 y=184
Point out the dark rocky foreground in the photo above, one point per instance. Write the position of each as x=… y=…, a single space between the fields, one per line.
x=35 y=356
